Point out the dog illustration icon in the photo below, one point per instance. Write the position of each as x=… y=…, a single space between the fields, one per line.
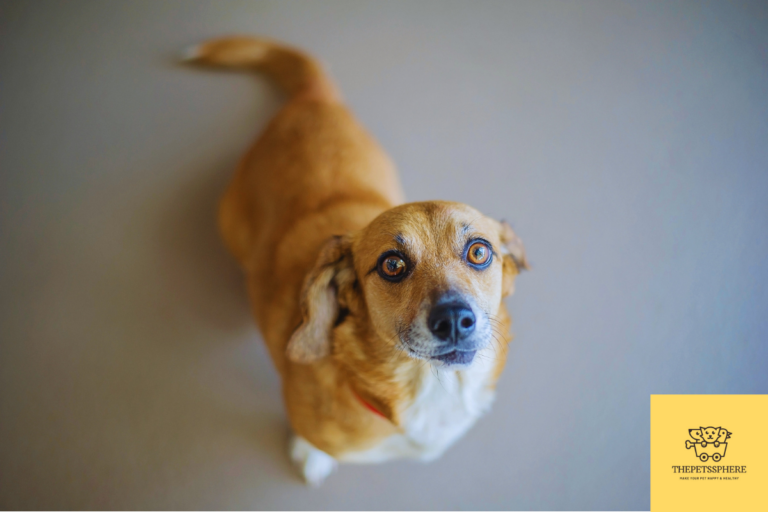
x=708 y=442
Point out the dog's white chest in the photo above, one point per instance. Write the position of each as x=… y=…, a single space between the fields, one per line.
x=446 y=405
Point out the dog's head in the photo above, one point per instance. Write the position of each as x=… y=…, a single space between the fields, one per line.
x=710 y=434
x=426 y=278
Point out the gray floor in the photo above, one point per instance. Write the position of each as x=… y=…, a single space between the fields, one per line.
x=626 y=141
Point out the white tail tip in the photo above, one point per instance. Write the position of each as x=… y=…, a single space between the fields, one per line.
x=191 y=53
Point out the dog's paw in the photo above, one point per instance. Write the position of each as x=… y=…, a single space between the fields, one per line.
x=314 y=465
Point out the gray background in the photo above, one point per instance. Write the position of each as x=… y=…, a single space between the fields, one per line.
x=626 y=141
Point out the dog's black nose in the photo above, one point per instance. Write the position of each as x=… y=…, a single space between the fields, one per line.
x=451 y=322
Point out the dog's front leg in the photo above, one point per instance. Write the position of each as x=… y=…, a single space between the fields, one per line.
x=314 y=465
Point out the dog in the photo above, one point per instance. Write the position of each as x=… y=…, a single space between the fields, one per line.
x=384 y=319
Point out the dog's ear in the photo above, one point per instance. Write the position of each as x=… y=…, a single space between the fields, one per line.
x=319 y=303
x=513 y=255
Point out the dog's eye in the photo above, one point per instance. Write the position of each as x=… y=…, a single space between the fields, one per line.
x=479 y=254
x=392 y=267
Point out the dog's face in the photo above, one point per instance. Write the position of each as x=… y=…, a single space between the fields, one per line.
x=710 y=434
x=428 y=277
x=432 y=278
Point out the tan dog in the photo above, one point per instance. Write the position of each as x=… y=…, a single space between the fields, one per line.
x=385 y=320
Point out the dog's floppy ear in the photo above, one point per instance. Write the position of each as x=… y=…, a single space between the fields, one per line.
x=319 y=303
x=513 y=254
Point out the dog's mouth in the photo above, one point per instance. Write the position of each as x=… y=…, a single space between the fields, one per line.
x=456 y=357
x=449 y=357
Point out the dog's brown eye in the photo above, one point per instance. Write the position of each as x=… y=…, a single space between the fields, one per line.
x=478 y=253
x=393 y=266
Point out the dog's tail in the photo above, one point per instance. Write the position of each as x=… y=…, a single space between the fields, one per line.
x=296 y=72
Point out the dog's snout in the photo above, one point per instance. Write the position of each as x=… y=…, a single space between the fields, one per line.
x=451 y=322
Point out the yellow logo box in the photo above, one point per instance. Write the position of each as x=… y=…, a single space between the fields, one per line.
x=709 y=452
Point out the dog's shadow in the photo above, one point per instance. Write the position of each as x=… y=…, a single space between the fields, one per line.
x=203 y=279
x=212 y=331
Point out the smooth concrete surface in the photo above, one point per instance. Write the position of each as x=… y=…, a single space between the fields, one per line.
x=627 y=142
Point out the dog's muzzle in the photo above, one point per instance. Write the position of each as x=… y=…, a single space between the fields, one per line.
x=453 y=323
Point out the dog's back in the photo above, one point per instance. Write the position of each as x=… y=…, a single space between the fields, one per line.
x=313 y=173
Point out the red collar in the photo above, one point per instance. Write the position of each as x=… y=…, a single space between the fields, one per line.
x=366 y=404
